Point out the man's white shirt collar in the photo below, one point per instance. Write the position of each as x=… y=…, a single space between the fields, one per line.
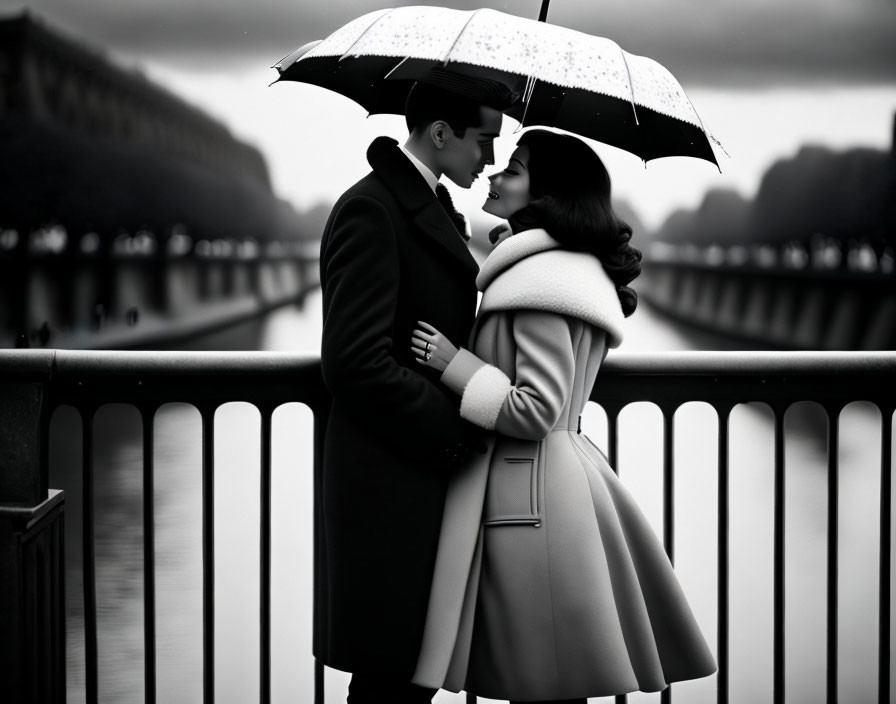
x=422 y=168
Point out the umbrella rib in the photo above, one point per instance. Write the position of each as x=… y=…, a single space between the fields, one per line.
x=366 y=30
x=395 y=68
x=527 y=95
x=530 y=88
x=457 y=38
x=631 y=88
x=708 y=134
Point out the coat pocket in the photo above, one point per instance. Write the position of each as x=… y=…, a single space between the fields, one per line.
x=514 y=485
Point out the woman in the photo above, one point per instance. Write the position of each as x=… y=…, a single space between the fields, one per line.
x=549 y=584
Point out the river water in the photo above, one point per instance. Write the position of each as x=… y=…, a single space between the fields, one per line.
x=178 y=538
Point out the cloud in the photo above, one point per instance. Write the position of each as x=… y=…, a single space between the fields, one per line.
x=726 y=42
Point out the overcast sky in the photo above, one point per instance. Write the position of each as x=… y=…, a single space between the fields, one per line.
x=714 y=42
x=766 y=76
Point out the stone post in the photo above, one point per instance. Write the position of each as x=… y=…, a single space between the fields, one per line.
x=32 y=566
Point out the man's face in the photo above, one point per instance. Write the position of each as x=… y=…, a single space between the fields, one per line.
x=463 y=159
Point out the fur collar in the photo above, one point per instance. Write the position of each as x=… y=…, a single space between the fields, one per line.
x=530 y=271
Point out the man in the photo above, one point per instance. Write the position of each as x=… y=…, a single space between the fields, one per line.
x=392 y=254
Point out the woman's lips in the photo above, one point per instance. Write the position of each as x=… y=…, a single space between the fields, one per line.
x=493 y=195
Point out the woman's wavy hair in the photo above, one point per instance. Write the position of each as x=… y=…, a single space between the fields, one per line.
x=570 y=190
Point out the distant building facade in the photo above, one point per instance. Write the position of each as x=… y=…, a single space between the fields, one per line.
x=54 y=80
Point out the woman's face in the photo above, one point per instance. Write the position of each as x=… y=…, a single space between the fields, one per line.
x=509 y=189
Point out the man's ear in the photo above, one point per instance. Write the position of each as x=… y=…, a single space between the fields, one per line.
x=438 y=133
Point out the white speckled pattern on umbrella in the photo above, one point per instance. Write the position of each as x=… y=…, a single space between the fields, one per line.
x=406 y=41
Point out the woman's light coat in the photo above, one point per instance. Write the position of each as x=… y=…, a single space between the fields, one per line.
x=549 y=582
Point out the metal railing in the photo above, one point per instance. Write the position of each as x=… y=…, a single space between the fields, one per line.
x=34 y=383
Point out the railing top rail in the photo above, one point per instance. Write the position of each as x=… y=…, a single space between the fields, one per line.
x=26 y=365
x=66 y=363
x=749 y=363
x=725 y=379
x=667 y=378
x=144 y=377
x=69 y=362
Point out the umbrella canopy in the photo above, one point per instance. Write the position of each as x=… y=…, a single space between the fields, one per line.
x=567 y=79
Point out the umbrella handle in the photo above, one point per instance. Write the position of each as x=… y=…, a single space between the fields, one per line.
x=543 y=14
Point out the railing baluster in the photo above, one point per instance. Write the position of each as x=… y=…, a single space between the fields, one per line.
x=724 y=415
x=320 y=607
x=778 y=637
x=613 y=438
x=149 y=557
x=265 y=558
x=886 y=542
x=668 y=500
x=89 y=566
x=318 y=681
x=55 y=654
x=833 y=551
x=669 y=482
x=208 y=554
x=613 y=458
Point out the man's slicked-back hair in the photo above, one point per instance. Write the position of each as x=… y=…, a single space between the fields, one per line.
x=454 y=98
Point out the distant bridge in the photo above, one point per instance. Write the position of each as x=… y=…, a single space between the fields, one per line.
x=138 y=294
x=789 y=298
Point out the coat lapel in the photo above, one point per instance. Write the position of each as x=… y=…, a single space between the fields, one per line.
x=435 y=223
x=415 y=196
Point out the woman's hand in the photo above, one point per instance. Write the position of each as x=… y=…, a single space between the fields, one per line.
x=432 y=348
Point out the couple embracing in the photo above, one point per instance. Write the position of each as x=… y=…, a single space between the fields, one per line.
x=475 y=539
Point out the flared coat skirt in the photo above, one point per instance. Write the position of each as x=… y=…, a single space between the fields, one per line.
x=577 y=599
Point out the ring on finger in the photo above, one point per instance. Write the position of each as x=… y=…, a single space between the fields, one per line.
x=427 y=356
x=427 y=346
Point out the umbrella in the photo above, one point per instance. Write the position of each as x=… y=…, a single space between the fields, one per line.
x=567 y=79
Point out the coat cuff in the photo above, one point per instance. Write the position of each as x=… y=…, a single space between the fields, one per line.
x=484 y=396
x=460 y=370
x=482 y=388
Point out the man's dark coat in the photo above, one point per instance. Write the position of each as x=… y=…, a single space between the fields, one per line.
x=390 y=256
